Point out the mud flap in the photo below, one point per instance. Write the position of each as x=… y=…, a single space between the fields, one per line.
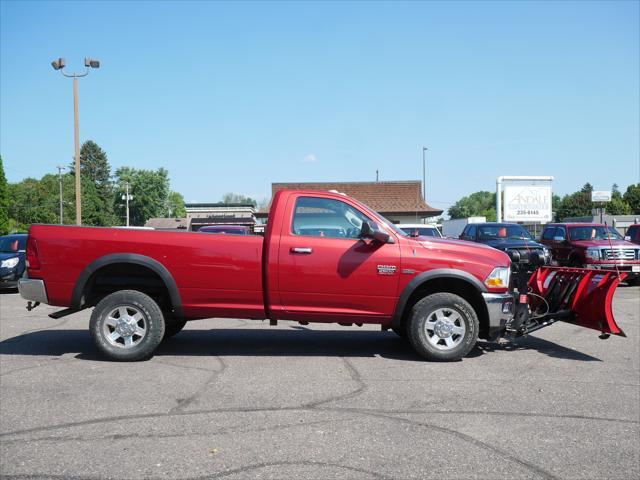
x=577 y=295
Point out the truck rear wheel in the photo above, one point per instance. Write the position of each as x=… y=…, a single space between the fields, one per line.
x=443 y=327
x=127 y=325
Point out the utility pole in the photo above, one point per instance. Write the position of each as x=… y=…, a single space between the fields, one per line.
x=424 y=174
x=76 y=141
x=89 y=63
x=61 y=201
x=126 y=197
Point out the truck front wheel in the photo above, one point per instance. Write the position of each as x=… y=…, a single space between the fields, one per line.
x=127 y=325
x=443 y=327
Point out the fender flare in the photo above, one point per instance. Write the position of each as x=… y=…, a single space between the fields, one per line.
x=150 y=263
x=424 y=277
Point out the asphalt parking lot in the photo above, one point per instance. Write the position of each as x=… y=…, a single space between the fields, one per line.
x=240 y=399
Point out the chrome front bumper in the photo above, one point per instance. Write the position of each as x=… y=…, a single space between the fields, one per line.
x=500 y=307
x=32 y=289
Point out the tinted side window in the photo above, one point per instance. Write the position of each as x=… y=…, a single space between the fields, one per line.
x=634 y=233
x=549 y=233
x=325 y=217
x=561 y=232
x=472 y=231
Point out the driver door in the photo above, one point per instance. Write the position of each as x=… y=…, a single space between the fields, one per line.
x=327 y=272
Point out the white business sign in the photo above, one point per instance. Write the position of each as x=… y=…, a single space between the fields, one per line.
x=600 y=196
x=527 y=203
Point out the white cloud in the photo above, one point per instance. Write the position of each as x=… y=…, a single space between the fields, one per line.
x=310 y=158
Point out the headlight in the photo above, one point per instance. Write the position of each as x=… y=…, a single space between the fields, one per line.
x=10 y=262
x=498 y=278
x=545 y=251
x=593 y=253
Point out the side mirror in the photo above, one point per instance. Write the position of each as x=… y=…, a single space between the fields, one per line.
x=368 y=231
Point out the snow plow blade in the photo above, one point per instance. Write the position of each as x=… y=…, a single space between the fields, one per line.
x=576 y=295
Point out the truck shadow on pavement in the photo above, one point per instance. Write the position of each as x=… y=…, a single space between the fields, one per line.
x=300 y=342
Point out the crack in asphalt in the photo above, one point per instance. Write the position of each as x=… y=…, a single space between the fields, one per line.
x=222 y=474
x=478 y=443
x=355 y=376
x=185 y=402
x=124 y=436
x=313 y=406
x=364 y=411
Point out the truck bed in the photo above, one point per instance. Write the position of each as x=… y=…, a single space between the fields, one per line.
x=212 y=272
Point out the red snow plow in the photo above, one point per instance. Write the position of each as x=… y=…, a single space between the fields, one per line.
x=576 y=295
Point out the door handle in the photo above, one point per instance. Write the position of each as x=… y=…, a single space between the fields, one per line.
x=302 y=250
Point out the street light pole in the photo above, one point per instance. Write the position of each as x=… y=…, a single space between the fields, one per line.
x=76 y=139
x=126 y=197
x=59 y=167
x=424 y=176
x=89 y=63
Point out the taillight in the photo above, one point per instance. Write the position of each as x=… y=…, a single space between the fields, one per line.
x=33 y=260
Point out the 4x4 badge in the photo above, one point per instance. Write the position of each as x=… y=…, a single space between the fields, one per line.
x=386 y=269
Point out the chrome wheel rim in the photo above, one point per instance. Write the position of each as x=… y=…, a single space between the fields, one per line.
x=125 y=327
x=445 y=329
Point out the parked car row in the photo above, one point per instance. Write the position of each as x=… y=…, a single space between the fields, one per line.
x=580 y=245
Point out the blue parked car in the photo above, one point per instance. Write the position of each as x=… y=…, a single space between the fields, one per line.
x=12 y=259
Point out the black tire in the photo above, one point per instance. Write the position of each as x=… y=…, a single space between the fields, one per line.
x=455 y=314
x=173 y=327
x=127 y=309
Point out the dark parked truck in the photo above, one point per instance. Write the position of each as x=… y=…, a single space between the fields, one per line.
x=511 y=238
x=324 y=257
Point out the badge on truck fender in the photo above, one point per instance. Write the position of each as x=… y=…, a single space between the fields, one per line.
x=386 y=269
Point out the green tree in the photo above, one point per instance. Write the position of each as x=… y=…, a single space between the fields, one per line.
x=477 y=204
x=150 y=190
x=577 y=204
x=175 y=206
x=632 y=198
x=238 y=198
x=4 y=201
x=31 y=202
x=617 y=205
x=97 y=187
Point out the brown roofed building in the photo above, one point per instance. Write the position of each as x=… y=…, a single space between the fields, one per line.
x=399 y=201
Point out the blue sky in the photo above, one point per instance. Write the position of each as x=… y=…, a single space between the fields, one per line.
x=234 y=96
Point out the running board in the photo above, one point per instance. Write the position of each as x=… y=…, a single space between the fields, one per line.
x=63 y=313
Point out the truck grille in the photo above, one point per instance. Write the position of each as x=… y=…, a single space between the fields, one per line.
x=619 y=254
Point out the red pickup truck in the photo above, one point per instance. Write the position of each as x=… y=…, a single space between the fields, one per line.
x=324 y=257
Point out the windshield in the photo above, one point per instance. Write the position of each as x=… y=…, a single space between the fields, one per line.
x=421 y=231
x=12 y=244
x=594 y=232
x=503 y=232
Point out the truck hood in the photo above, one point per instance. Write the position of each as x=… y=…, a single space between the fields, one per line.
x=464 y=249
x=603 y=243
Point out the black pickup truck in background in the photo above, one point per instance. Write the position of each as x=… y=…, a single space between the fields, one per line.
x=508 y=237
